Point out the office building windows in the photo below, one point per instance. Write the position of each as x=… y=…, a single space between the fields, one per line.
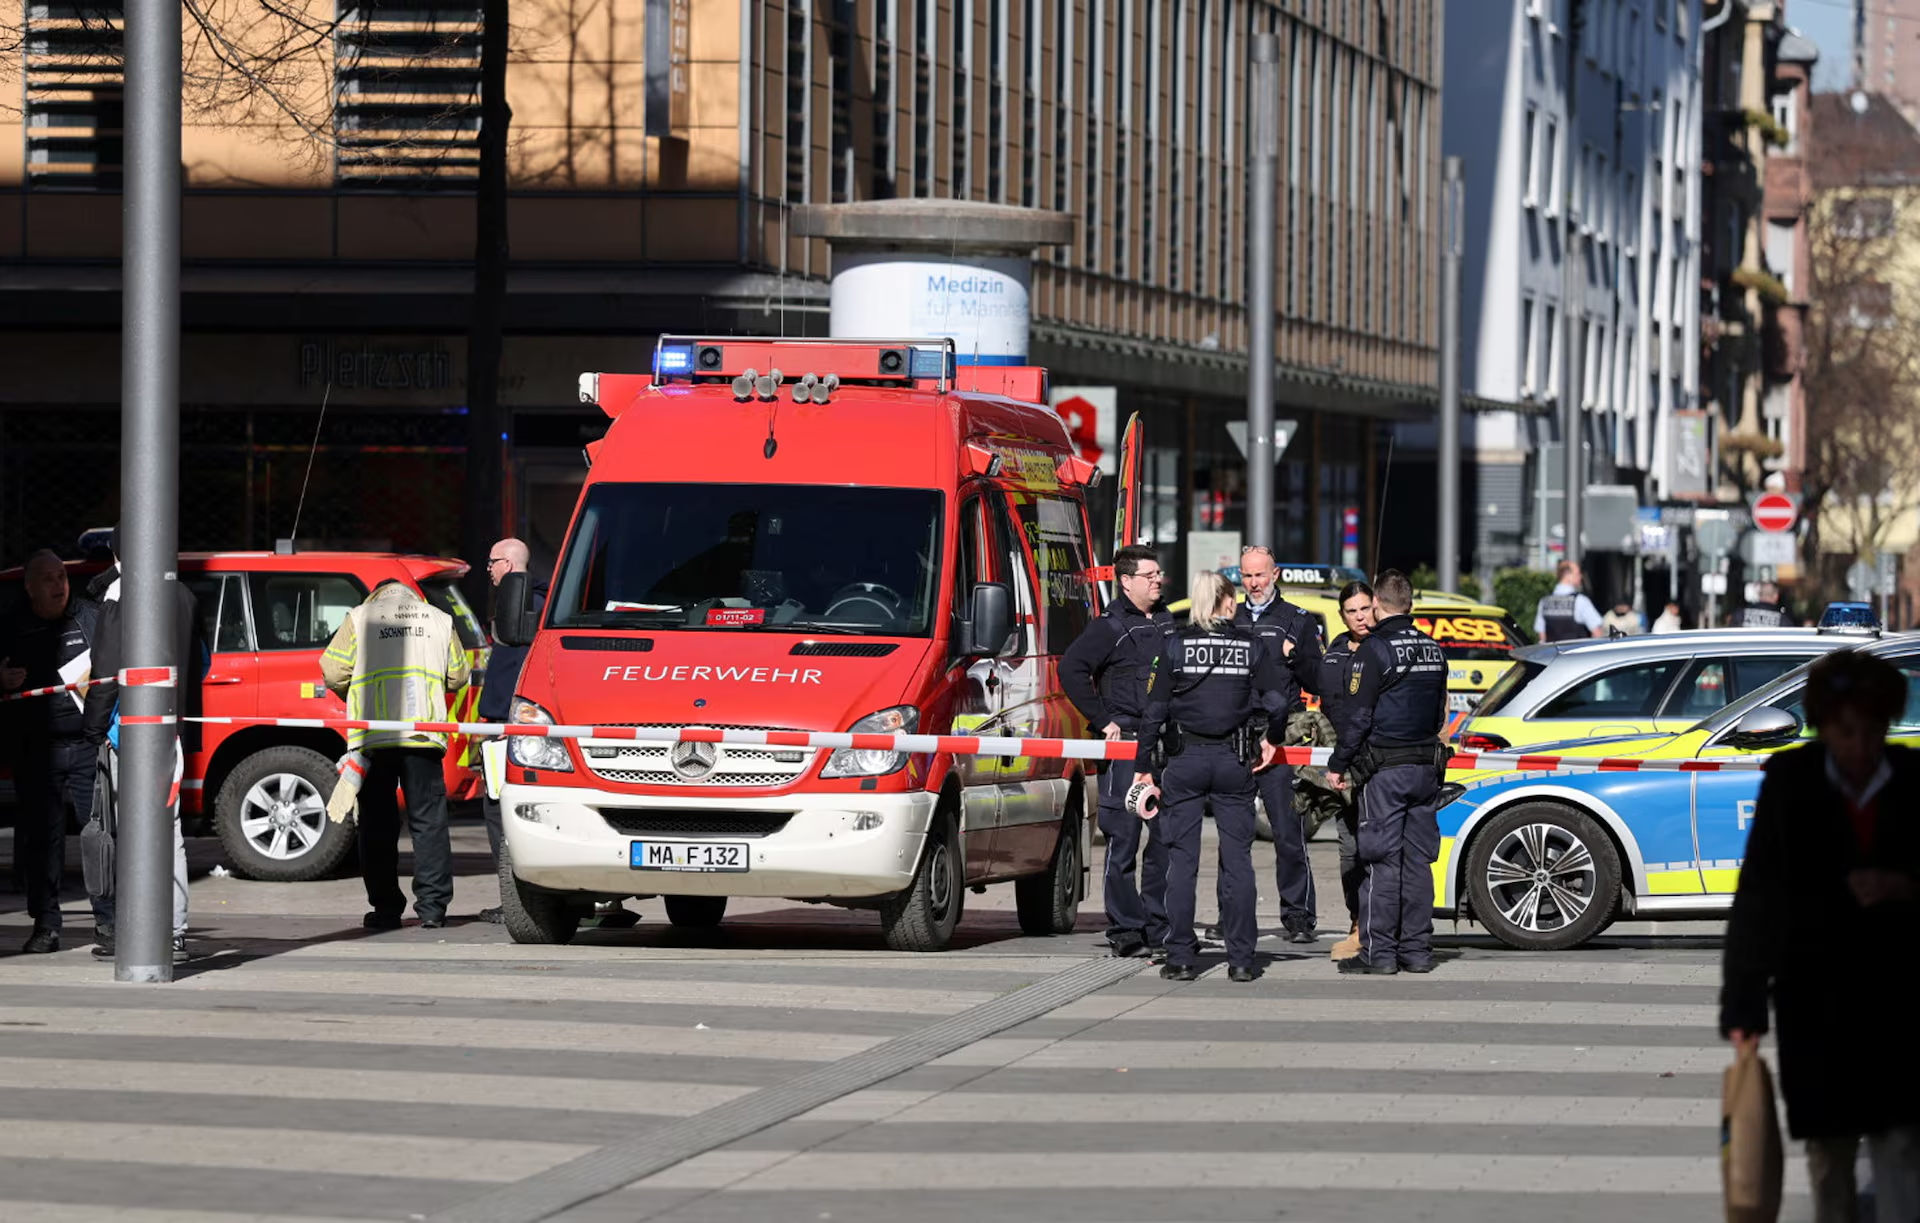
x=73 y=95
x=407 y=94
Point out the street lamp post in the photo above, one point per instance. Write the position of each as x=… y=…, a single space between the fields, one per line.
x=149 y=489
x=1261 y=212
x=1451 y=200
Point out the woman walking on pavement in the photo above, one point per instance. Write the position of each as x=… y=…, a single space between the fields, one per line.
x=1825 y=918
x=1201 y=740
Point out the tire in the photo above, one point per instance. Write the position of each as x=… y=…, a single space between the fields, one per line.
x=1262 y=826
x=925 y=915
x=1529 y=869
x=695 y=912
x=531 y=914
x=1049 y=903
x=271 y=815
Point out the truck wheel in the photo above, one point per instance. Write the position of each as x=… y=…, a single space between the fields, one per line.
x=696 y=912
x=924 y=917
x=271 y=815
x=1049 y=902
x=1543 y=877
x=531 y=914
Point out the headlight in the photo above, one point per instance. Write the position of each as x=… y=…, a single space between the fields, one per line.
x=849 y=762
x=529 y=752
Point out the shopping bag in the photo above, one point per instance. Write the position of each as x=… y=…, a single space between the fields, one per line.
x=1752 y=1160
x=96 y=839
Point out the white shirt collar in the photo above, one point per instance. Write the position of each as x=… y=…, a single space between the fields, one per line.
x=1882 y=774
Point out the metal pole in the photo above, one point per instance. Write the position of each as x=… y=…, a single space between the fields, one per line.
x=1260 y=313
x=1448 y=546
x=149 y=485
x=1572 y=299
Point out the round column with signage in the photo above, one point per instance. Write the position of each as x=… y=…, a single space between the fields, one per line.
x=935 y=268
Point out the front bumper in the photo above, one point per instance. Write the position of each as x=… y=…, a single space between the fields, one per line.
x=560 y=839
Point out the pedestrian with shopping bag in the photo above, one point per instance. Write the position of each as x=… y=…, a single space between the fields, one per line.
x=1823 y=924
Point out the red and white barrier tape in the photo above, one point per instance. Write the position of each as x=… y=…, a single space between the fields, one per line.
x=957 y=745
x=132 y=677
x=82 y=686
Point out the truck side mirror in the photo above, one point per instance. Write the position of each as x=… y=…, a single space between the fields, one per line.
x=513 y=621
x=986 y=629
x=1764 y=727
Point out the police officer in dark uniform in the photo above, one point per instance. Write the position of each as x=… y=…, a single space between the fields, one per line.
x=1273 y=620
x=1329 y=681
x=1210 y=684
x=1767 y=613
x=1567 y=614
x=1395 y=708
x=44 y=738
x=1105 y=673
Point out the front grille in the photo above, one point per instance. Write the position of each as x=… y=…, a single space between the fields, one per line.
x=622 y=645
x=636 y=763
x=667 y=823
x=844 y=649
x=646 y=777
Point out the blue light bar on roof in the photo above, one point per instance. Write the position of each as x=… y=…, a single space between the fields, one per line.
x=673 y=361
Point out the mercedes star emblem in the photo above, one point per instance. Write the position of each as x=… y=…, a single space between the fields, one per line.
x=693 y=761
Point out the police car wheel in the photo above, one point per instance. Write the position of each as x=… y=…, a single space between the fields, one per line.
x=1049 y=903
x=1543 y=877
x=695 y=912
x=531 y=914
x=271 y=816
x=925 y=915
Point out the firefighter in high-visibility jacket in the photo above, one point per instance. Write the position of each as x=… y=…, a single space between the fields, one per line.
x=396 y=657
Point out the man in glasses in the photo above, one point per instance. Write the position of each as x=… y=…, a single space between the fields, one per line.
x=1293 y=634
x=1105 y=675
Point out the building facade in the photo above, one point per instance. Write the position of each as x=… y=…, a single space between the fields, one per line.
x=328 y=229
x=1886 y=52
x=1578 y=125
x=1758 y=128
x=1864 y=406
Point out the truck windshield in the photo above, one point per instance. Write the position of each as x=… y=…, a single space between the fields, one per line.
x=809 y=558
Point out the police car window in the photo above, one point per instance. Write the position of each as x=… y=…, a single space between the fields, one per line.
x=1057 y=539
x=1907 y=725
x=301 y=611
x=1753 y=674
x=223 y=611
x=809 y=558
x=1624 y=692
x=1709 y=685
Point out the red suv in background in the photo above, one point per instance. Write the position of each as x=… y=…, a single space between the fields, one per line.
x=266 y=617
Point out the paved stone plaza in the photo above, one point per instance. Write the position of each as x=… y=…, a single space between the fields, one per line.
x=306 y=1069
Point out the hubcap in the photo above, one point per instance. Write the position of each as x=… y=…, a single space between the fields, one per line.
x=1069 y=870
x=283 y=816
x=1542 y=877
x=940 y=882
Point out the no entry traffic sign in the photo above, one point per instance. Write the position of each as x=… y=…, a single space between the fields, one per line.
x=1775 y=512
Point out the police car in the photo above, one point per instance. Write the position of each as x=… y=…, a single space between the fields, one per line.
x=1546 y=861
x=1596 y=688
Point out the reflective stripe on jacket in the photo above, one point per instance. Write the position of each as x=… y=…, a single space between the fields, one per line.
x=395 y=657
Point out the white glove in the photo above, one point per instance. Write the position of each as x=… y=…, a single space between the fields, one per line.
x=352 y=768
